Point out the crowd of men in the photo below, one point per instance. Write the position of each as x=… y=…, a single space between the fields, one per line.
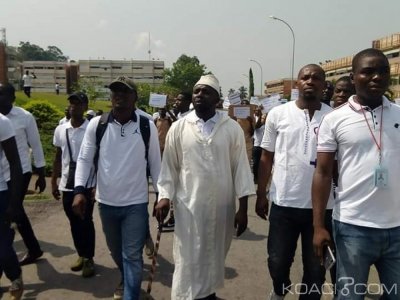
x=327 y=161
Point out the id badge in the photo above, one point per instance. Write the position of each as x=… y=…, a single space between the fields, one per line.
x=381 y=177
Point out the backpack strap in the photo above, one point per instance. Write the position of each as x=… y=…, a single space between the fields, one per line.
x=100 y=130
x=145 y=132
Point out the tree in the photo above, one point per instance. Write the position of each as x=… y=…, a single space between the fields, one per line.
x=251 y=83
x=144 y=90
x=243 y=92
x=185 y=72
x=28 y=51
x=231 y=91
x=92 y=87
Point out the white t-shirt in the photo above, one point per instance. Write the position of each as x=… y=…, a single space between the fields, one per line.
x=75 y=136
x=27 y=80
x=258 y=134
x=121 y=174
x=291 y=135
x=27 y=138
x=6 y=132
x=346 y=132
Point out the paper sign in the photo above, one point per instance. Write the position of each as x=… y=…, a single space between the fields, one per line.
x=241 y=111
x=234 y=98
x=294 y=95
x=255 y=101
x=270 y=102
x=226 y=103
x=157 y=100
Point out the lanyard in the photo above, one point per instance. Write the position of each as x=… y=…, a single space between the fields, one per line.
x=379 y=146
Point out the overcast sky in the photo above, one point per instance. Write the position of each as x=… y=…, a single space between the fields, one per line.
x=223 y=34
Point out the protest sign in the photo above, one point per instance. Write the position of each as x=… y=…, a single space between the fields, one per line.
x=157 y=100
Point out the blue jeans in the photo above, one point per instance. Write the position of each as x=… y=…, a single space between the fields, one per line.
x=125 y=229
x=357 y=248
x=8 y=258
x=287 y=224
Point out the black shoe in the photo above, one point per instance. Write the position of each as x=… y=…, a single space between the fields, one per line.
x=30 y=258
x=169 y=225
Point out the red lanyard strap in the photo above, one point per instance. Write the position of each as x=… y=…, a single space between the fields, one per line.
x=379 y=146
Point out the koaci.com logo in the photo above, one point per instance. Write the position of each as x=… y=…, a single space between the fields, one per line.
x=347 y=287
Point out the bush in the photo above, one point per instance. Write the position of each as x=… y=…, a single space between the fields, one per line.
x=47 y=116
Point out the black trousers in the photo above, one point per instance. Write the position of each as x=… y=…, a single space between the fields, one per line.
x=83 y=233
x=23 y=223
x=27 y=91
x=256 y=161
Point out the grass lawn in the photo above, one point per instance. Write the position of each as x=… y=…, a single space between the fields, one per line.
x=60 y=101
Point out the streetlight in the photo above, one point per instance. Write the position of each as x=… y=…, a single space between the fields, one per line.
x=294 y=42
x=261 y=87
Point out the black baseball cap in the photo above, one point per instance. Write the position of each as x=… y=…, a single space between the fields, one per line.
x=79 y=96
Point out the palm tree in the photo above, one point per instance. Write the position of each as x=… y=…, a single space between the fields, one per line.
x=243 y=92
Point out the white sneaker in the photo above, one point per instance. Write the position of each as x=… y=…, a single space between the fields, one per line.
x=274 y=296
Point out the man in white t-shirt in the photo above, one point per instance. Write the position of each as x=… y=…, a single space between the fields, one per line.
x=122 y=189
x=10 y=209
x=289 y=144
x=68 y=139
x=27 y=79
x=364 y=134
x=28 y=141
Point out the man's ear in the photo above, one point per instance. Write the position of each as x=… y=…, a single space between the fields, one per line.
x=352 y=77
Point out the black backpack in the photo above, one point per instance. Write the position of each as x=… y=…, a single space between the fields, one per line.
x=102 y=126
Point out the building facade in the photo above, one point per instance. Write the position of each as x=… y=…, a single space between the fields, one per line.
x=48 y=73
x=279 y=86
x=389 y=45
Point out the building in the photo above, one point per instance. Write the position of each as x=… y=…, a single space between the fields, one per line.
x=282 y=87
x=48 y=73
x=389 y=45
x=141 y=71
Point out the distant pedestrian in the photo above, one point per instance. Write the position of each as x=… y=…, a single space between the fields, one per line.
x=258 y=136
x=68 y=139
x=344 y=88
x=327 y=93
x=27 y=79
x=90 y=114
x=163 y=122
x=57 y=88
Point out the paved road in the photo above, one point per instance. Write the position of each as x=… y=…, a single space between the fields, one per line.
x=50 y=278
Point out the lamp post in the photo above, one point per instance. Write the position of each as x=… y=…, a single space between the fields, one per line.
x=294 y=42
x=261 y=87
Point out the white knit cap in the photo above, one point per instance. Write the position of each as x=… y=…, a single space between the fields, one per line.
x=209 y=80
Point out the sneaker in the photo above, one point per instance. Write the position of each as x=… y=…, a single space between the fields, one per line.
x=169 y=225
x=274 y=296
x=16 y=289
x=77 y=266
x=88 y=267
x=119 y=291
x=30 y=258
x=149 y=247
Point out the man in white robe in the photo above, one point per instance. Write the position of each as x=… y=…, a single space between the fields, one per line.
x=204 y=169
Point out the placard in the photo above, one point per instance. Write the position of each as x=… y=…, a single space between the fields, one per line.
x=241 y=111
x=157 y=100
x=294 y=95
x=270 y=102
x=234 y=98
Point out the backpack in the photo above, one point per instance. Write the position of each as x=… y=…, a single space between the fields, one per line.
x=102 y=126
